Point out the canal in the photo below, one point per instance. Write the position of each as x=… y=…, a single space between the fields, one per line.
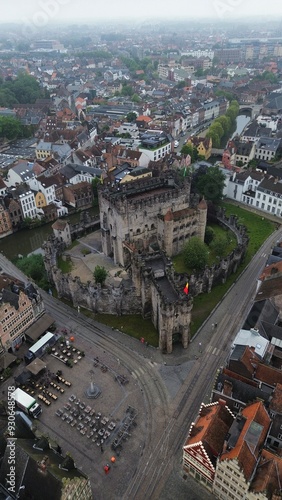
x=241 y=122
x=30 y=240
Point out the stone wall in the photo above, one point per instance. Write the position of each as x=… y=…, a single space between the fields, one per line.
x=143 y=293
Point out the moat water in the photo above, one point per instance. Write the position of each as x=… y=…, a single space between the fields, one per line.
x=30 y=240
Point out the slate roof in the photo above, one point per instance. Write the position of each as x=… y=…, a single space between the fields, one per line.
x=270 y=184
x=246 y=436
x=275 y=101
x=240 y=390
x=262 y=310
x=9 y=297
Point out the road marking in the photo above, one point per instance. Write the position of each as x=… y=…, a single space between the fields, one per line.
x=137 y=373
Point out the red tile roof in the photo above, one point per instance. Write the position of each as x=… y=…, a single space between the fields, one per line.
x=245 y=451
x=276 y=401
x=211 y=427
x=268 y=374
x=268 y=475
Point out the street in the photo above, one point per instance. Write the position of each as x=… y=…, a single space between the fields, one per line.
x=168 y=414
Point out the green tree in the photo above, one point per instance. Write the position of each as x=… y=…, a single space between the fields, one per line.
x=195 y=253
x=189 y=149
x=209 y=235
x=135 y=98
x=210 y=184
x=33 y=267
x=212 y=134
x=218 y=129
x=10 y=128
x=100 y=274
x=219 y=245
x=131 y=116
x=127 y=90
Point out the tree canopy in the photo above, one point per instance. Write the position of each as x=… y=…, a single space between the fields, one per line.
x=195 y=253
x=10 y=128
x=100 y=274
x=33 y=267
x=189 y=149
x=209 y=182
x=24 y=89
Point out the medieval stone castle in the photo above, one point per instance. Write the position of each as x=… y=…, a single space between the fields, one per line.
x=143 y=223
x=149 y=214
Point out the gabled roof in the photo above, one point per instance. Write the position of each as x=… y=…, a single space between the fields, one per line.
x=247 y=435
x=268 y=374
x=227 y=386
x=267 y=479
x=270 y=287
x=211 y=427
x=246 y=356
x=276 y=401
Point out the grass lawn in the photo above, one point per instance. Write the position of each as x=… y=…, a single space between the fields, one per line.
x=178 y=260
x=64 y=265
x=258 y=229
x=131 y=324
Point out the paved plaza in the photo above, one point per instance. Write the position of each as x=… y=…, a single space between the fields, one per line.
x=93 y=430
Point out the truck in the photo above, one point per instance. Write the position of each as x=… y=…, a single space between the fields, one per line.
x=26 y=403
x=39 y=348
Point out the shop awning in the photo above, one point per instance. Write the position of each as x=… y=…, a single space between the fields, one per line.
x=40 y=326
x=36 y=366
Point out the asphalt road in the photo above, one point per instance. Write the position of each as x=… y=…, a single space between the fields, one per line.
x=168 y=419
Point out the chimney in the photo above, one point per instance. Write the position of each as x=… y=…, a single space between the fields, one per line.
x=221 y=402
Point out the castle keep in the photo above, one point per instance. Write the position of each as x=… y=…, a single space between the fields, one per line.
x=148 y=215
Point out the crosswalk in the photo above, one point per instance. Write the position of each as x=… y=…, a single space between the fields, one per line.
x=213 y=350
x=138 y=373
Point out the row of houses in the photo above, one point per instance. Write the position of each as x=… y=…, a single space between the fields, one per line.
x=257 y=189
x=234 y=447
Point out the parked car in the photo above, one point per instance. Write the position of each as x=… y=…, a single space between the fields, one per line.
x=176 y=144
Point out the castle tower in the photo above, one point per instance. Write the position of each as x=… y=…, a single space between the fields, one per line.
x=203 y=210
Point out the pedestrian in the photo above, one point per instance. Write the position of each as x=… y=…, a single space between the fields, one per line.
x=215 y=325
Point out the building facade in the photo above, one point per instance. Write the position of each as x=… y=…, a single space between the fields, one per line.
x=151 y=212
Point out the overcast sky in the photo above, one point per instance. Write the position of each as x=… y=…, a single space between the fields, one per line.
x=43 y=11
